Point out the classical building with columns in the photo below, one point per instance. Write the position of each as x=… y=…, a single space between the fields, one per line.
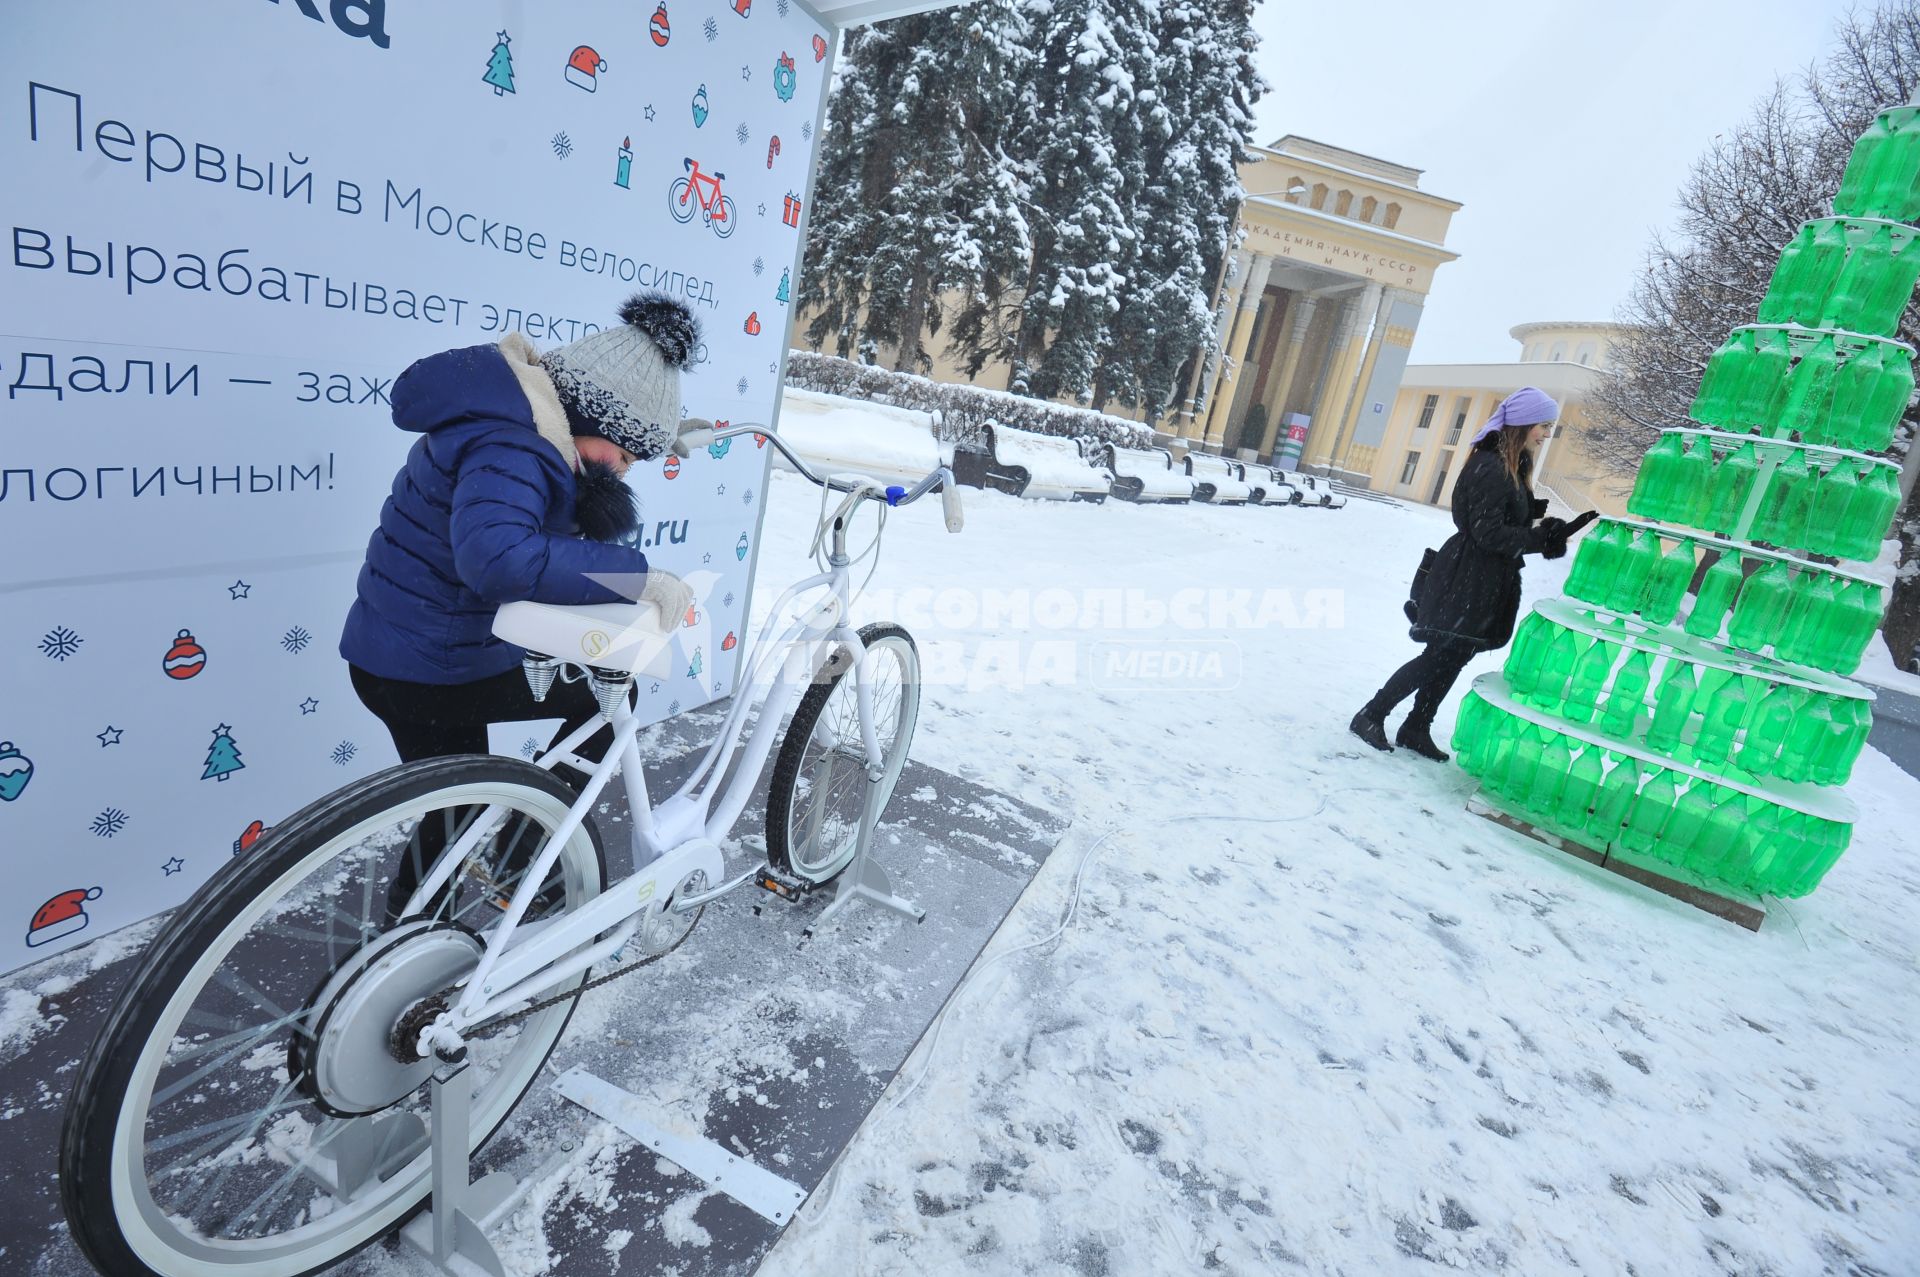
x=1318 y=308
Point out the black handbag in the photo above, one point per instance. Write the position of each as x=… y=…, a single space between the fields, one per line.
x=1419 y=583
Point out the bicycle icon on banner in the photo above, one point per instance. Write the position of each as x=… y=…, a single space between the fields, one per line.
x=701 y=190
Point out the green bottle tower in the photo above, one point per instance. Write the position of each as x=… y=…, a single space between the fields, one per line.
x=1704 y=741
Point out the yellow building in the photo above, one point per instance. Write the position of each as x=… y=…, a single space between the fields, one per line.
x=1440 y=406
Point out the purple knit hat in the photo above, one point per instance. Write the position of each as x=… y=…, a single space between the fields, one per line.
x=1524 y=407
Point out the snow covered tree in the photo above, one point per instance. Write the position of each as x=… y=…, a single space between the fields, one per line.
x=1744 y=200
x=916 y=197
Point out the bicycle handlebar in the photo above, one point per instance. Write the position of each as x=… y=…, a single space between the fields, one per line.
x=941 y=477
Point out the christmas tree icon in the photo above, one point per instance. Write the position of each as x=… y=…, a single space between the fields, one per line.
x=500 y=66
x=781 y=294
x=223 y=756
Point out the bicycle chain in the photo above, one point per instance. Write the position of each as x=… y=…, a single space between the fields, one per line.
x=511 y=1017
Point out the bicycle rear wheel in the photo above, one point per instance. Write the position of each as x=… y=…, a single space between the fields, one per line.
x=820 y=790
x=251 y=1107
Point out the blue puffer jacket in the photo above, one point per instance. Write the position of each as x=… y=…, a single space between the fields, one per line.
x=482 y=514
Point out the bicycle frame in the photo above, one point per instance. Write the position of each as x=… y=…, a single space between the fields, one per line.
x=678 y=838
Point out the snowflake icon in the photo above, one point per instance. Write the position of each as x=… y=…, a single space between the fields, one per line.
x=743 y=385
x=741 y=134
x=343 y=753
x=746 y=498
x=109 y=822
x=296 y=640
x=806 y=129
x=562 y=144
x=674 y=708
x=759 y=265
x=60 y=643
x=711 y=29
x=729 y=599
x=529 y=748
x=781 y=6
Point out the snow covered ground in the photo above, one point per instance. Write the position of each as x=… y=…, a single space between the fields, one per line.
x=1312 y=1016
x=1308 y=1014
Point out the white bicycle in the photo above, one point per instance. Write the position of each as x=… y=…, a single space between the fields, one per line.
x=336 y=1020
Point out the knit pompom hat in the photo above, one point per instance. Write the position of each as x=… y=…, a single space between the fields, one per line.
x=623 y=383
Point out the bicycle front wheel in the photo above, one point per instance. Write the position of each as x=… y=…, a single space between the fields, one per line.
x=820 y=790
x=680 y=201
x=253 y=1105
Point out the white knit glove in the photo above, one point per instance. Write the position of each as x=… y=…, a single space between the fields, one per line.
x=668 y=593
x=694 y=434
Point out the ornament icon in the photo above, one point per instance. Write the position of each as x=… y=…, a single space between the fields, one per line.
x=223 y=756
x=584 y=67
x=740 y=548
x=500 y=66
x=248 y=836
x=62 y=915
x=785 y=79
x=16 y=769
x=185 y=658
x=819 y=49
x=672 y=468
x=752 y=325
x=719 y=448
x=659 y=28
x=623 y=169
x=700 y=109
x=728 y=643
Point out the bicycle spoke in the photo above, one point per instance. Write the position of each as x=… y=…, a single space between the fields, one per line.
x=215 y=1129
x=250 y=1034
x=212 y=1191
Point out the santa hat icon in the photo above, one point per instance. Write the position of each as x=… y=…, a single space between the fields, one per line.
x=61 y=916
x=583 y=67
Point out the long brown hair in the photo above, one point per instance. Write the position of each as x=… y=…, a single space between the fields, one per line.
x=1511 y=444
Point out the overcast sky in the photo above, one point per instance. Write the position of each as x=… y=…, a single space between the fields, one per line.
x=1564 y=129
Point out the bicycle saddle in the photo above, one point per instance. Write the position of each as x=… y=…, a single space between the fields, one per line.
x=610 y=636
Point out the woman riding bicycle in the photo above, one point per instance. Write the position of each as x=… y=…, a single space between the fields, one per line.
x=513 y=491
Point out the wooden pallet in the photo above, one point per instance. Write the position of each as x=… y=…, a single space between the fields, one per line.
x=1746 y=911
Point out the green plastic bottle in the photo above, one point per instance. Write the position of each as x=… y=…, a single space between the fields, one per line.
x=1808 y=729
x=1810 y=394
x=1627 y=696
x=1726 y=843
x=1896 y=170
x=1869 y=515
x=1720 y=385
x=1556 y=668
x=1679 y=838
x=1529 y=743
x=1838 y=488
x=1582 y=787
x=1788 y=284
x=1617 y=538
x=1522 y=669
x=1848 y=301
x=1854 y=385
x=1636 y=566
x=1798 y=483
x=1672 y=706
x=1839 y=746
x=1720 y=716
x=1872 y=429
x=1865 y=173
x=1888 y=293
x=1813 y=636
x=1667 y=585
x=1617 y=790
x=1496 y=756
x=1589 y=676
x=1776 y=845
x=1761 y=747
x=1543 y=797
x=1826 y=842
x=1651 y=808
x=1764 y=387
x=1692 y=490
x=1718 y=587
x=1760 y=607
x=1862 y=608
x=1732 y=483
x=1653 y=485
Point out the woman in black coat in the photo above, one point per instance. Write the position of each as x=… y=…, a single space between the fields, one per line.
x=1471 y=594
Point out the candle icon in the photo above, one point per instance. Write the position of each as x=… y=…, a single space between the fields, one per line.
x=625 y=169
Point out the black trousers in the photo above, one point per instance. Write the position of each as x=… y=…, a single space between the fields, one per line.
x=432 y=720
x=1427 y=678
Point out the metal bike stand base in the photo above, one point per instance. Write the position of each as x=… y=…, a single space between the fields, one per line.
x=449 y=1232
x=864 y=879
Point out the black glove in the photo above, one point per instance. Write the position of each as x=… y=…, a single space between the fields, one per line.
x=1555 y=548
x=1582 y=521
x=1553 y=529
x=1537 y=508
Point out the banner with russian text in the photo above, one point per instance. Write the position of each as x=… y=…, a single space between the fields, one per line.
x=229 y=227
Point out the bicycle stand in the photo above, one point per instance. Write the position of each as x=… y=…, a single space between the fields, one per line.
x=450 y=1234
x=864 y=879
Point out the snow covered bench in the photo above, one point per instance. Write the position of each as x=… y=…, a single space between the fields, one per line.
x=1144 y=476
x=1216 y=480
x=1317 y=490
x=834 y=434
x=1271 y=486
x=1044 y=467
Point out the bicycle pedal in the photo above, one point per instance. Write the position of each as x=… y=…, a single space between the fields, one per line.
x=788 y=889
